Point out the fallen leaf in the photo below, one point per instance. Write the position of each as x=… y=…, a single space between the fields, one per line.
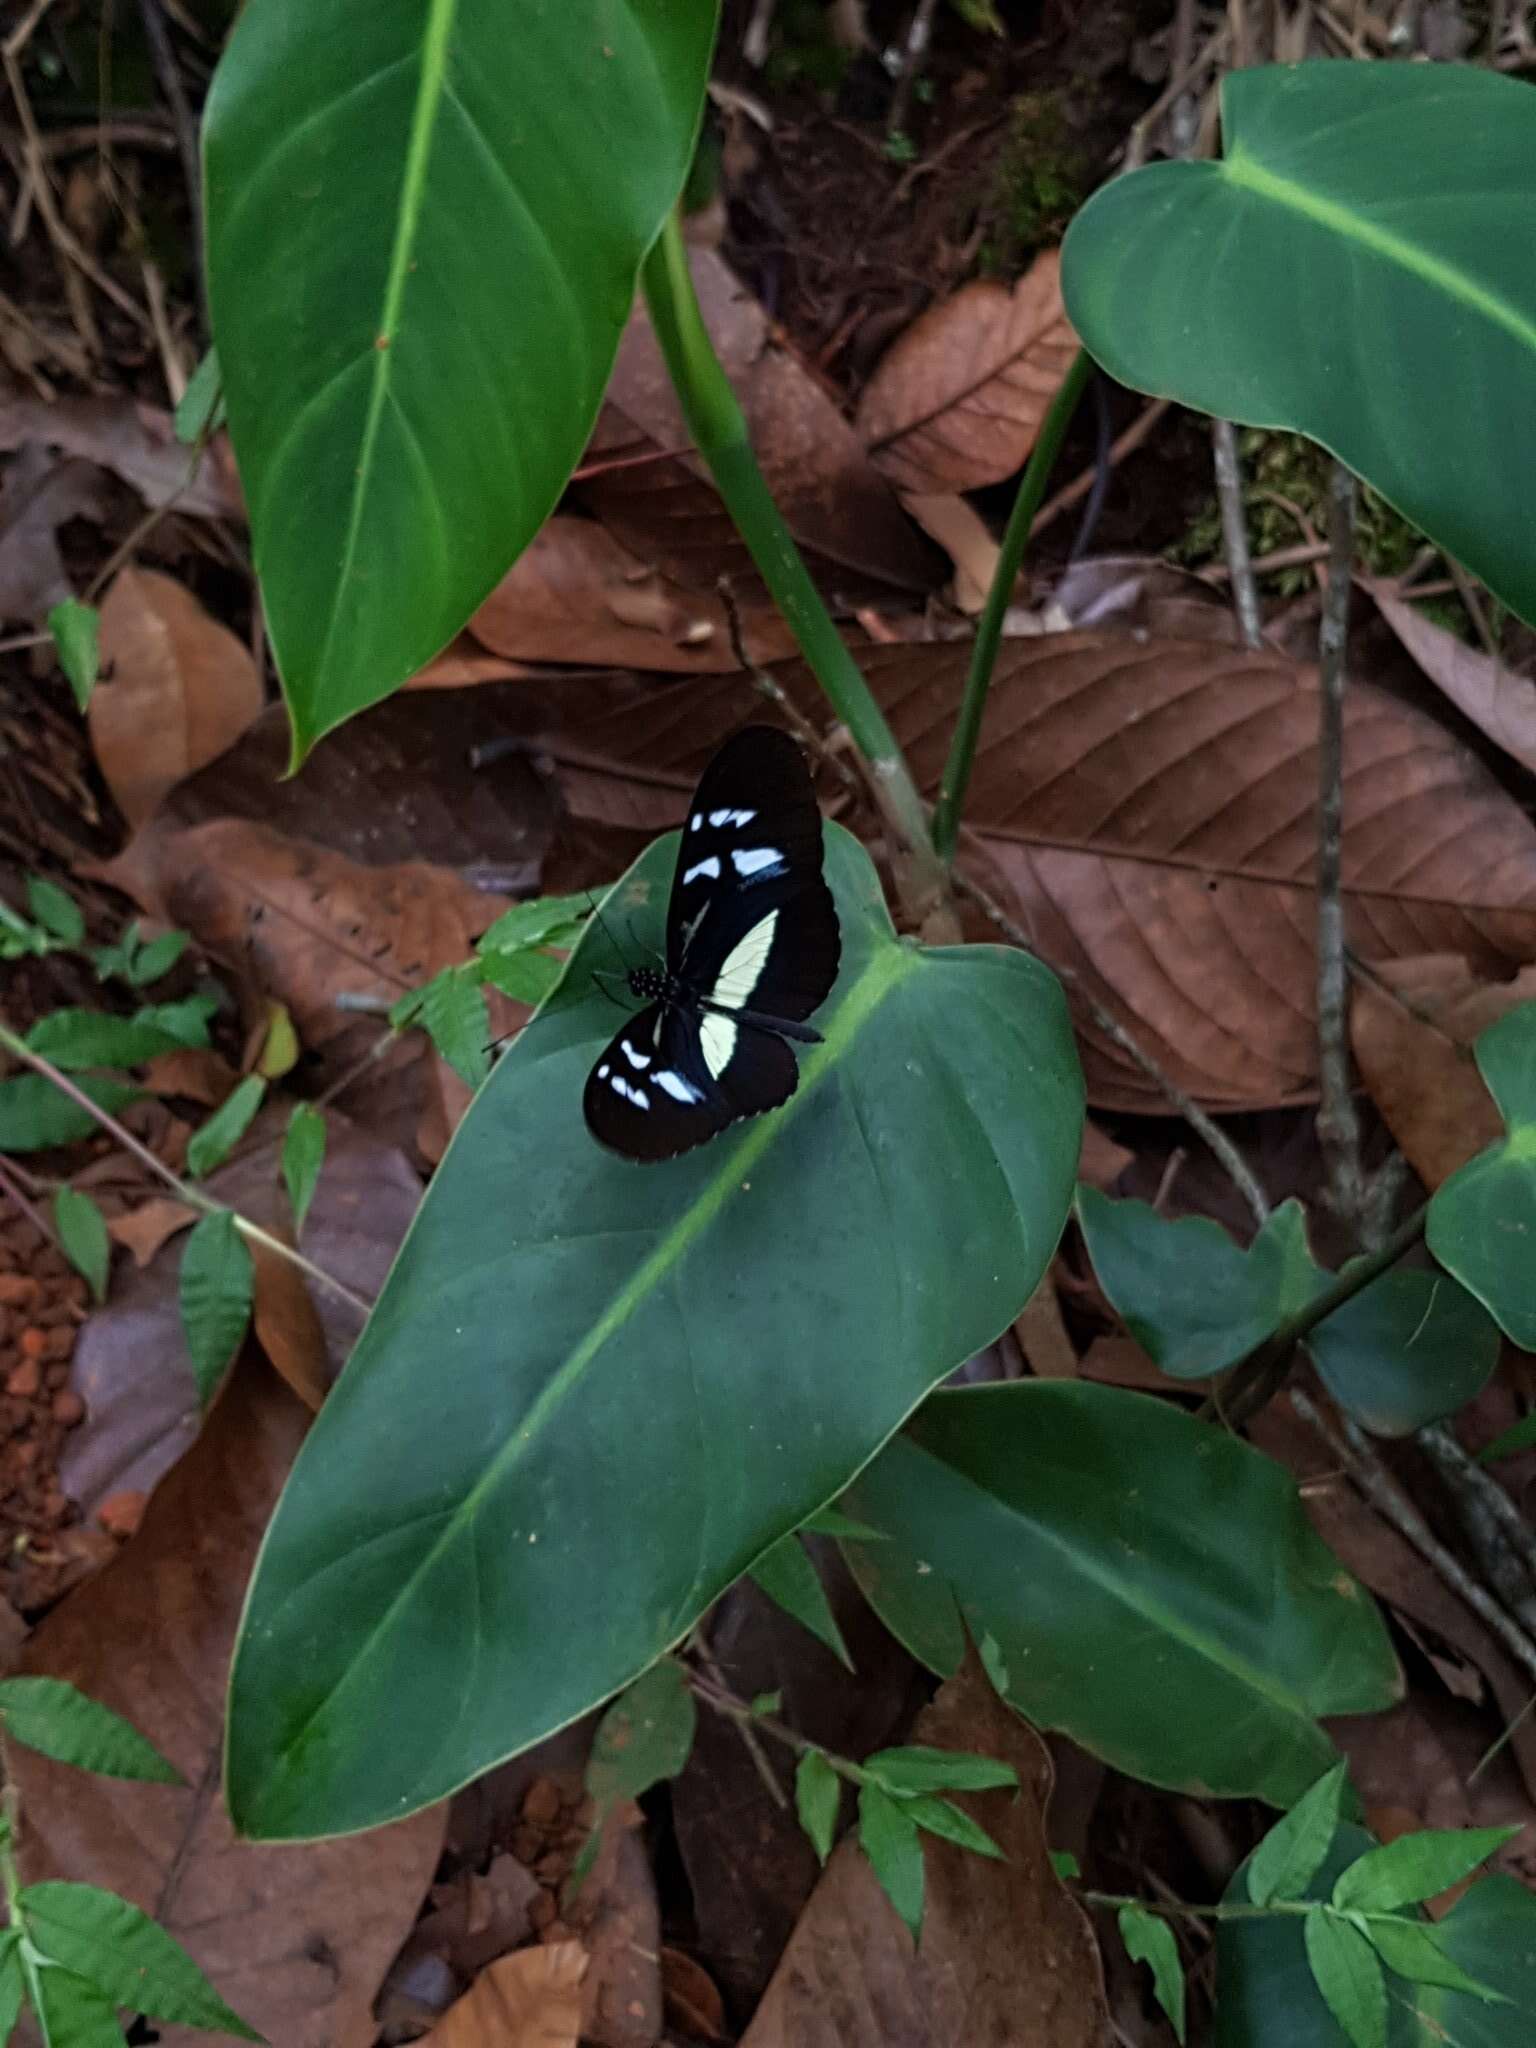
x=196 y=1072
x=576 y=595
x=643 y=481
x=1145 y=594
x=1121 y=1362
x=528 y=2000
x=137 y=442
x=177 y=689
x=1146 y=811
x=295 y=1939
x=1499 y=700
x=957 y=400
x=131 y=1364
x=146 y=1228
x=965 y=537
x=38 y=494
x=617 y=1918
x=1101 y=1161
x=1412 y=1040
x=287 y=1323
x=1042 y=1335
x=1006 y=1954
x=691 y=2002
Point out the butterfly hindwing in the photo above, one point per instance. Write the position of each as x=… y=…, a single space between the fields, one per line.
x=653 y=1093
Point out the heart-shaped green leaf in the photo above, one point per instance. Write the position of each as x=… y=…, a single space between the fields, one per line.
x=1091 y=1532
x=412 y=365
x=1316 y=278
x=592 y=1393
x=1482 y=1221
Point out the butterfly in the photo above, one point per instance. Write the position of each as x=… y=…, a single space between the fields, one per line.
x=752 y=949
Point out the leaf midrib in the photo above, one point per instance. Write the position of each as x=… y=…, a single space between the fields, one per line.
x=890 y=964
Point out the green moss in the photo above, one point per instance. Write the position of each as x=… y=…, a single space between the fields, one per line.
x=1040 y=181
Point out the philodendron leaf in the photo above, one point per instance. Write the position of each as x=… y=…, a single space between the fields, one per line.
x=1060 y=1516
x=1410 y=1348
x=419 y=358
x=1482 y=1221
x=1258 y=287
x=703 y=1350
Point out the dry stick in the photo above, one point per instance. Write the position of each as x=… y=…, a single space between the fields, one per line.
x=1357 y=1455
x=184 y=1191
x=1234 y=533
x=1503 y=1539
x=168 y=76
x=1338 y=1126
x=1123 y=445
x=1236 y=1167
x=33 y=1215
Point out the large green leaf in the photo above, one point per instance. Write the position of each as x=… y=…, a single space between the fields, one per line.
x=593 y=1393
x=425 y=222
x=1482 y=1221
x=1152 y=1583
x=1351 y=269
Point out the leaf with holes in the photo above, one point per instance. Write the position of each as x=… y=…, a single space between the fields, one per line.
x=605 y=1338
x=1257 y=287
x=376 y=367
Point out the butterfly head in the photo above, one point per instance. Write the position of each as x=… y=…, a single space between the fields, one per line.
x=650 y=984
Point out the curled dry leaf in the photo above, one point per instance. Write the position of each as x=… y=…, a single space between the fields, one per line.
x=177 y=689
x=576 y=595
x=647 y=486
x=296 y=1939
x=528 y=2000
x=1146 y=811
x=196 y=1072
x=137 y=442
x=38 y=494
x=965 y=537
x=956 y=401
x=144 y=1229
x=288 y=1325
x=1412 y=1026
x=464 y=661
x=1498 y=700
x=1005 y=1955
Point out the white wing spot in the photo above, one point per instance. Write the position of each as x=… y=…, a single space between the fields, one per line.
x=742 y=969
x=636 y=1059
x=679 y=1089
x=719 y=818
x=752 y=860
x=695 y=821
x=717 y=1040
x=637 y=1096
x=710 y=867
x=604 y=1071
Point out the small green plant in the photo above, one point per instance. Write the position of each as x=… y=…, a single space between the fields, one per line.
x=1036 y=188
x=72 y=1954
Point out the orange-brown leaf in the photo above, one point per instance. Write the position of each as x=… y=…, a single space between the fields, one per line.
x=531 y=1999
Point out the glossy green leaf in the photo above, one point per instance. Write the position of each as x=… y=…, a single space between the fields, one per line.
x=1072 y=1521
x=217 y=1283
x=1410 y=1348
x=833 y=1522
x=454 y=1017
x=74 y=2013
x=125 y=1954
x=214 y=1139
x=1151 y=1940
x=76 y=630
x=790 y=1579
x=73 y=1039
x=1416 y=1951
x=413 y=367
x=1416 y=1867
x=527 y=977
x=1259 y=287
x=58 y=1720
x=943 y=1818
x=918 y=1768
x=34 y=1114
x=303 y=1157
x=1491 y=1933
x=818 y=1794
x=83 y=1238
x=1296 y=1847
x=200 y=409
x=55 y=910
x=1347 y=1971
x=889 y=1838
x=640 y=1377
x=1482 y=1221
x=645 y=1736
x=542 y=921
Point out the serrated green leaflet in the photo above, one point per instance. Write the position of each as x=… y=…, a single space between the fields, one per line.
x=1151 y=1940
x=213 y=1141
x=57 y=1720
x=889 y=1838
x=1294 y=1850
x=818 y=1794
x=83 y=1238
x=790 y=1579
x=216 y=1286
x=303 y=1157
x=1258 y=287
x=125 y=1954
x=418 y=360
x=706 y=1350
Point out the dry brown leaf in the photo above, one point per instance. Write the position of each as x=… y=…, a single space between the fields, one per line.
x=1413 y=1040
x=288 y=1325
x=1144 y=594
x=528 y=2000
x=1006 y=1954
x=295 y=1938
x=197 y=1072
x=956 y=401
x=1121 y=1362
x=1101 y=1161
x=1146 y=810
x=965 y=537
x=464 y=661
x=146 y=1228
x=1498 y=700
x=1042 y=1335
x=177 y=689
x=642 y=479
x=576 y=595
x=137 y=442
x=692 y=2000
x=38 y=494
x=617 y=1917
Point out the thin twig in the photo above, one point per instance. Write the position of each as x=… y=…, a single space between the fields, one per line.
x=184 y=1190
x=1231 y=1160
x=168 y=76
x=1234 y=532
x=1355 y=1452
x=1498 y=1532
x=1123 y=445
x=33 y=1215
x=1338 y=1126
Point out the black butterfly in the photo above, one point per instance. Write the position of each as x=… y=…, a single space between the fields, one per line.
x=752 y=950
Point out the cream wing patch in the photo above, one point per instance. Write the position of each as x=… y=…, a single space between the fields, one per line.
x=743 y=966
x=717 y=1041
